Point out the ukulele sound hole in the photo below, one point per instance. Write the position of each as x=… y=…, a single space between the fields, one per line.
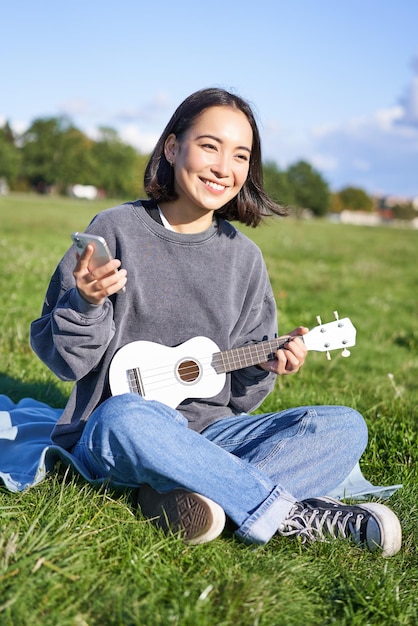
x=188 y=371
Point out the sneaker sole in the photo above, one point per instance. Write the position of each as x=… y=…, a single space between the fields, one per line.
x=390 y=528
x=195 y=517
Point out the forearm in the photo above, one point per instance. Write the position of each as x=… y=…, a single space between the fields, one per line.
x=72 y=338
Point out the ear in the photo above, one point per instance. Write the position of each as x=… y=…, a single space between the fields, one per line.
x=170 y=148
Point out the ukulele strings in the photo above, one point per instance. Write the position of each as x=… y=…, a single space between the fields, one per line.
x=164 y=376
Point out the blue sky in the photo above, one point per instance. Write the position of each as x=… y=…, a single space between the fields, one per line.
x=334 y=82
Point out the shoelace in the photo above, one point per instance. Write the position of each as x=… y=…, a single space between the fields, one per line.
x=310 y=524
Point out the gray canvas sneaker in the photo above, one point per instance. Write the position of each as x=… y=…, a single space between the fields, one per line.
x=371 y=525
x=196 y=518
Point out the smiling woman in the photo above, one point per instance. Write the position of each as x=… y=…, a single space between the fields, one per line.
x=198 y=459
x=210 y=163
x=208 y=118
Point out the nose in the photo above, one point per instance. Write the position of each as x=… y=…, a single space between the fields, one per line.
x=221 y=167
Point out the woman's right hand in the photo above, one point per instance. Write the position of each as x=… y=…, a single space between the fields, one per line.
x=96 y=286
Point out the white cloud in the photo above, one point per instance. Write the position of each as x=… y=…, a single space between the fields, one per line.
x=76 y=107
x=17 y=126
x=323 y=130
x=139 y=126
x=385 y=118
x=324 y=162
x=144 y=141
x=410 y=100
x=20 y=126
x=150 y=112
x=378 y=152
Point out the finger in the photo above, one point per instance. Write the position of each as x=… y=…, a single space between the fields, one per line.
x=291 y=357
x=278 y=366
x=293 y=362
x=109 y=284
x=108 y=269
x=84 y=258
x=299 y=331
x=297 y=347
x=112 y=282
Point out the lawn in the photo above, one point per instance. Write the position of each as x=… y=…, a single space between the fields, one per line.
x=71 y=555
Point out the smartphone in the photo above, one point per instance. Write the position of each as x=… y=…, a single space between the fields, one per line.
x=101 y=254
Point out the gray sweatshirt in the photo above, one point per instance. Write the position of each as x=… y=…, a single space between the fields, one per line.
x=212 y=283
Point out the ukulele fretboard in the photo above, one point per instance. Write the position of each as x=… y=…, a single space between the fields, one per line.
x=254 y=354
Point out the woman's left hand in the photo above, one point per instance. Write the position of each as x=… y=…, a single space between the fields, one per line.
x=291 y=357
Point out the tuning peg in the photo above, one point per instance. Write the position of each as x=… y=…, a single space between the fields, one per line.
x=336 y=315
x=318 y=319
x=345 y=352
x=328 y=356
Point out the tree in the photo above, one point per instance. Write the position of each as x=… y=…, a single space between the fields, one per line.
x=404 y=211
x=117 y=165
x=77 y=164
x=336 y=206
x=56 y=153
x=10 y=157
x=277 y=185
x=309 y=188
x=355 y=199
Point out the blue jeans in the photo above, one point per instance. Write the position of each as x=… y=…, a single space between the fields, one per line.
x=254 y=466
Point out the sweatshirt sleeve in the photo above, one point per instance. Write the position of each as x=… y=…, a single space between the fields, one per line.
x=71 y=335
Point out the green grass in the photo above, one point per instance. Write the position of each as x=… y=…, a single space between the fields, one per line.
x=72 y=555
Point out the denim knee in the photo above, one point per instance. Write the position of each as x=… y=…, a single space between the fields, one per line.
x=121 y=413
x=358 y=429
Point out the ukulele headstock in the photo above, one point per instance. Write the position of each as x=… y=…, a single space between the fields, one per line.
x=339 y=334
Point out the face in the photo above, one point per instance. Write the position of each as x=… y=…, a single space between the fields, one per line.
x=211 y=161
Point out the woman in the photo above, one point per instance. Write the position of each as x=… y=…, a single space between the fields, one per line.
x=188 y=272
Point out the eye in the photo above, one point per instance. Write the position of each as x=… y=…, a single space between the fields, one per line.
x=243 y=157
x=209 y=146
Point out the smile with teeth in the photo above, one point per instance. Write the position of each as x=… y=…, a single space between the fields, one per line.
x=216 y=186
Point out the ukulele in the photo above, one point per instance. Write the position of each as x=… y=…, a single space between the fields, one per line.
x=197 y=368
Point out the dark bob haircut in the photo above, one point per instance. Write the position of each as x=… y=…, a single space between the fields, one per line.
x=252 y=203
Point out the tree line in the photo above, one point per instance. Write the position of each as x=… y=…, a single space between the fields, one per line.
x=53 y=154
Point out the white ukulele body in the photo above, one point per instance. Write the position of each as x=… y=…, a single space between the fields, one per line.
x=197 y=369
